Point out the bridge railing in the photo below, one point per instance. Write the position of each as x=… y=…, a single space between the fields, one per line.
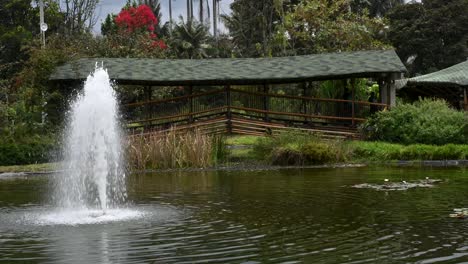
x=229 y=102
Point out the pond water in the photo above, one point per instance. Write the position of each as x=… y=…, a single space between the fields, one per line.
x=257 y=216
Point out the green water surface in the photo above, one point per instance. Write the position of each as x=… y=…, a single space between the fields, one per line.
x=250 y=216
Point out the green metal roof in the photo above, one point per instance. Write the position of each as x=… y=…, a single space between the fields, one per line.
x=457 y=75
x=238 y=71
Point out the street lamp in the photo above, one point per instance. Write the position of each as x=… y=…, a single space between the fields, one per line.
x=43 y=26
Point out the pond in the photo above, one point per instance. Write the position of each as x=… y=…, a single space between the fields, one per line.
x=250 y=216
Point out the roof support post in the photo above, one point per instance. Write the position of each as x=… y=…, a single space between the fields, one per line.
x=266 y=102
x=353 y=98
x=465 y=99
x=304 y=102
x=391 y=92
x=382 y=91
x=387 y=91
x=149 y=107
x=227 y=89
x=190 y=88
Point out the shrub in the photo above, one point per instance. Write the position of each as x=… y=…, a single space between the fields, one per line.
x=426 y=121
x=264 y=147
x=318 y=153
x=34 y=150
x=294 y=148
x=284 y=156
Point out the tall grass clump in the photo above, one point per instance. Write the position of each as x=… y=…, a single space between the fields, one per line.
x=295 y=148
x=170 y=150
x=427 y=121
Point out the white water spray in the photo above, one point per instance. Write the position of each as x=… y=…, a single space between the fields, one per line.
x=94 y=176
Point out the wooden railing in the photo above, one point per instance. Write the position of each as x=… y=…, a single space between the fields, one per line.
x=228 y=103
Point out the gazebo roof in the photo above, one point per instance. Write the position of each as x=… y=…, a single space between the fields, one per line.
x=454 y=76
x=379 y=63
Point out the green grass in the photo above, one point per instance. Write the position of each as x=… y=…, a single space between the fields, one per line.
x=382 y=151
x=44 y=167
x=242 y=140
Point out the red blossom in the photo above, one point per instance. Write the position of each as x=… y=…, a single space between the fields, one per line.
x=140 y=20
x=159 y=44
x=134 y=19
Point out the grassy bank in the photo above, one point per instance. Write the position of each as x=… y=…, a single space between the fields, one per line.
x=303 y=149
x=195 y=150
x=44 y=167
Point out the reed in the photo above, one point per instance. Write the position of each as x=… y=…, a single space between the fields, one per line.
x=169 y=150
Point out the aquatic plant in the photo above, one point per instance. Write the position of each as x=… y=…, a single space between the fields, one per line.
x=174 y=149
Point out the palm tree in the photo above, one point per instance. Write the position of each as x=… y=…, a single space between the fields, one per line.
x=189 y=39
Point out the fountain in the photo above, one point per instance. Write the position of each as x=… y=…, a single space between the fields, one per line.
x=92 y=186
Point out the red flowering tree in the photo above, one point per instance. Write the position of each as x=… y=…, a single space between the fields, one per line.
x=137 y=21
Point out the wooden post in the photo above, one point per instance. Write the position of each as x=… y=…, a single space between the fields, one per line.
x=191 y=103
x=148 y=109
x=353 y=97
x=266 y=101
x=465 y=99
x=304 y=102
x=227 y=89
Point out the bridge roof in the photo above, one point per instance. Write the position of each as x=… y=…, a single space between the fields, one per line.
x=325 y=66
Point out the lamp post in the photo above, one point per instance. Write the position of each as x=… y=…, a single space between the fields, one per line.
x=43 y=26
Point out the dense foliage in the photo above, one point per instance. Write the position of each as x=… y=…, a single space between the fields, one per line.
x=293 y=148
x=430 y=35
x=316 y=26
x=28 y=151
x=426 y=121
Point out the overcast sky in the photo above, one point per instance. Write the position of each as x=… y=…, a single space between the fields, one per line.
x=178 y=8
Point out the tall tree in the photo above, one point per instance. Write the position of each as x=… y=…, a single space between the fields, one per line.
x=376 y=8
x=251 y=25
x=79 y=15
x=430 y=35
x=315 y=26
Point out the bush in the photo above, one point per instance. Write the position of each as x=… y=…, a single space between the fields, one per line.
x=33 y=151
x=426 y=121
x=318 y=153
x=284 y=156
x=264 y=147
x=293 y=148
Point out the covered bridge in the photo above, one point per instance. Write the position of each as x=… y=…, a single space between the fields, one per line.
x=248 y=95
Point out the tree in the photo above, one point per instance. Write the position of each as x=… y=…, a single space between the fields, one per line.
x=431 y=35
x=79 y=15
x=109 y=26
x=189 y=39
x=155 y=6
x=376 y=8
x=251 y=25
x=315 y=26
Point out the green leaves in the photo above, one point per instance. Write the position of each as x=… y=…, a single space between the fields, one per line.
x=433 y=33
x=322 y=26
x=426 y=121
